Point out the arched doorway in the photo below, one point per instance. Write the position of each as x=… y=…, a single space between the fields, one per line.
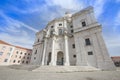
x=49 y=58
x=60 y=58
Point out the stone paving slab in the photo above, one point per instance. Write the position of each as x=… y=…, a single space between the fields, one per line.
x=13 y=74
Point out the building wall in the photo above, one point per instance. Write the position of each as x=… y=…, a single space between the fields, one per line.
x=10 y=54
x=92 y=31
x=21 y=56
x=6 y=52
x=116 y=60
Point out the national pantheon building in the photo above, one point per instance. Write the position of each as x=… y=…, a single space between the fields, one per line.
x=72 y=40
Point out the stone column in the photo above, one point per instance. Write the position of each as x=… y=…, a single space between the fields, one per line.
x=44 y=51
x=53 y=62
x=67 y=63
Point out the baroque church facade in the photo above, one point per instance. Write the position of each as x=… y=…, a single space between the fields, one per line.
x=73 y=40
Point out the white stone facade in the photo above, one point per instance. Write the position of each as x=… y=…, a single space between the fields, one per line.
x=73 y=40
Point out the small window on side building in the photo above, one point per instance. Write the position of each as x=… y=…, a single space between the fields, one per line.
x=22 y=61
x=5 y=60
x=14 y=61
x=21 y=53
x=1 y=53
x=26 y=62
x=17 y=52
x=19 y=61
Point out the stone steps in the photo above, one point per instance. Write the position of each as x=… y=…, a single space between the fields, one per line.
x=65 y=69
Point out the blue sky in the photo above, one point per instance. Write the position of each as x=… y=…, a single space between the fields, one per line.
x=21 y=19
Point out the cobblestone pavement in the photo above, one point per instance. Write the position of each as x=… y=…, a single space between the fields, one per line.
x=12 y=74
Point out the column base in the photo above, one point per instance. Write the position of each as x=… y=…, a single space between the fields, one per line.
x=82 y=64
x=67 y=64
x=52 y=64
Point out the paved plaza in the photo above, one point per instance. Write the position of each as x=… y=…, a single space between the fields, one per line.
x=6 y=73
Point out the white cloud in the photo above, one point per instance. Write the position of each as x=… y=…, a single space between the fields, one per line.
x=14 y=24
x=98 y=6
x=66 y=4
x=14 y=33
x=113 y=44
x=24 y=40
x=117 y=0
x=117 y=19
x=61 y=6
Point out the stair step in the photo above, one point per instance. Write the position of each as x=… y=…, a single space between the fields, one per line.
x=65 y=68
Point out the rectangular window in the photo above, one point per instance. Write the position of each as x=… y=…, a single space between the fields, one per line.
x=24 y=57
x=27 y=57
x=71 y=26
x=5 y=60
x=90 y=53
x=60 y=31
x=25 y=53
x=87 y=41
x=38 y=40
x=83 y=24
x=8 y=54
x=1 y=53
x=3 y=48
x=34 y=58
x=22 y=61
x=60 y=24
x=72 y=31
x=19 y=61
x=20 y=57
x=14 y=61
x=74 y=56
x=51 y=32
x=11 y=49
x=52 y=26
x=17 y=52
x=73 y=45
x=36 y=52
x=21 y=53
x=26 y=62
x=15 y=56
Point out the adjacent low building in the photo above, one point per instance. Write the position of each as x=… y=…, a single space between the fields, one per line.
x=116 y=60
x=11 y=54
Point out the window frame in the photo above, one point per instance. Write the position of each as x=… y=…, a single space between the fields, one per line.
x=87 y=42
x=90 y=53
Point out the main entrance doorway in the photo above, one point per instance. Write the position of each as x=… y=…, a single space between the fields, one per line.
x=60 y=58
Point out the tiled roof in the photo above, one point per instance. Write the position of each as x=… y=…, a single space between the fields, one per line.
x=3 y=42
x=115 y=57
